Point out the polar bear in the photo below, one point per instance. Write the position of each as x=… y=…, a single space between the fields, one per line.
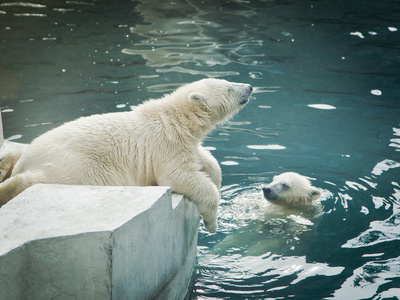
x=290 y=189
x=9 y=159
x=287 y=219
x=158 y=143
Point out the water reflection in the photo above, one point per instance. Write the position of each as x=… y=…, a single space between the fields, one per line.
x=395 y=143
x=381 y=231
x=366 y=281
x=197 y=72
x=322 y=106
x=266 y=147
x=269 y=269
x=22 y=4
x=184 y=36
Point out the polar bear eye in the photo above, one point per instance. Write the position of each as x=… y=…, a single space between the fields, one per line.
x=285 y=186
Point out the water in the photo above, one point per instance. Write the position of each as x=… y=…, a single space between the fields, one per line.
x=326 y=105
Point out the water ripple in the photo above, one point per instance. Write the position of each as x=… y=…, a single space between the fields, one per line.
x=161 y=53
x=266 y=147
x=199 y=53
x=384 y=166
x=321 y=106
x=208 y=73
x=395 y=143
x=270 y=270
x=23 y=4
x=262 y=132
x=379 y=231
x=172 y=41
x=95 y=91
x=265 y=89
x=30 y=15
x=163 y=88
x=80 y=3
x=373 y=280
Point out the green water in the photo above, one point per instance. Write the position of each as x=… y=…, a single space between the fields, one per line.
x=326 y=105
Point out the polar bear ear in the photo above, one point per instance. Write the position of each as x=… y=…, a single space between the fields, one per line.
x=198 y=98
x=314 y=194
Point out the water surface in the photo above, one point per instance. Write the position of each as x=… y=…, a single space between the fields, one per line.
x=326 y=105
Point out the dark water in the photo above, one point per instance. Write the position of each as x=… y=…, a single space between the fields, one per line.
x=326 y=105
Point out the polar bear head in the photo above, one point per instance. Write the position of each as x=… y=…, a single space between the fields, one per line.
x=221 y=98
x=291 y=189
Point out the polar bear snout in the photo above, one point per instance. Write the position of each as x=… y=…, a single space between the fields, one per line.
x=269 y=194
x=246 y=89
x=249 y=88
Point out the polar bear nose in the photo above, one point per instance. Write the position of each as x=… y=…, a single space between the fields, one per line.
x=247 y=87
x=245 y=91
x=267 y=192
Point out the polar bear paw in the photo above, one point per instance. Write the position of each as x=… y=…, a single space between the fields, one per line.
x=211 y=225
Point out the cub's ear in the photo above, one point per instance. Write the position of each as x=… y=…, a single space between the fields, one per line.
x=198 y=98
x=314 y=194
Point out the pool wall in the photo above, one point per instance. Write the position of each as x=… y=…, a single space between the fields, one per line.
x=87 y=242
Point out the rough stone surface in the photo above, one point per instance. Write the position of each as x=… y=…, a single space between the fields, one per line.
x=86 y=242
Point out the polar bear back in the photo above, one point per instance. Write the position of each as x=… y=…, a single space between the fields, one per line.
x=99 y=144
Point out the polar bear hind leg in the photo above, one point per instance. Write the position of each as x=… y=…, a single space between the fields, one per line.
x=15 y=185
x=8 y=162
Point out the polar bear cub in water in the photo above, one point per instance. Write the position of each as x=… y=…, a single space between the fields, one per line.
x=287 y=219
x=291 y=189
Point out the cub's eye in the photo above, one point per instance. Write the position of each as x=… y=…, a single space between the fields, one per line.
x=285 y=186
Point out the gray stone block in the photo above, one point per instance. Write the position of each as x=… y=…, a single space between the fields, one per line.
x=86 y=242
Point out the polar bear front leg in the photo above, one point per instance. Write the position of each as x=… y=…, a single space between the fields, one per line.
x=210 y=166
x=198 y=188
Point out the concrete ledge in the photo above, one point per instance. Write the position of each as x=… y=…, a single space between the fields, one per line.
x=85 y=242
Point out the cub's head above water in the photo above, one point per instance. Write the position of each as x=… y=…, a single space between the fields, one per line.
x=291 y=189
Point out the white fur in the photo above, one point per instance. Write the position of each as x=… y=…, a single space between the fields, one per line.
x=291 y=189
x=8 y=161
x=159 y=143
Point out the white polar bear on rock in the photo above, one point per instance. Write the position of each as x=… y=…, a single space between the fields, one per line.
x=159 y=143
